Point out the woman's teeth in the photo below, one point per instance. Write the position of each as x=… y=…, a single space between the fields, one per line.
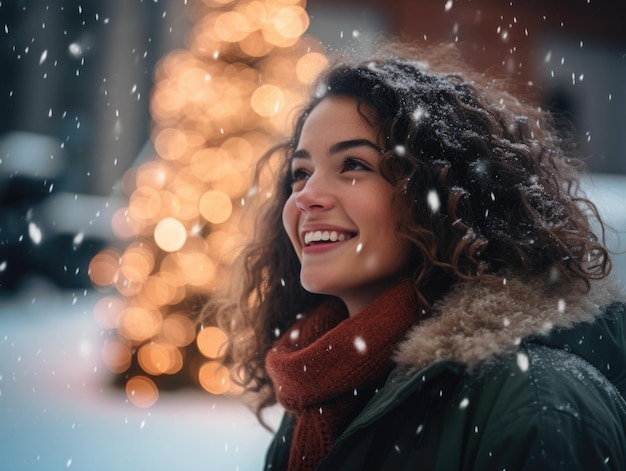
x=325 y=236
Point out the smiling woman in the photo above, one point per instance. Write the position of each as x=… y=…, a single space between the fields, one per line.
x=339 y=217
x=424 y=287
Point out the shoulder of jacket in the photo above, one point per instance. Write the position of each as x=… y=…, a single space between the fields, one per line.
x=476 y=321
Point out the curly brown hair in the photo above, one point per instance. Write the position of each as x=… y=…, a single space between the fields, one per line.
x=484 y=185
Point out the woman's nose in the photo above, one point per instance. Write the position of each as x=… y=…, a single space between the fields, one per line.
x=316 y=195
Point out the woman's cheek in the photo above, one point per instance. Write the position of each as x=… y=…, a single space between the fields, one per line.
x=291 y=214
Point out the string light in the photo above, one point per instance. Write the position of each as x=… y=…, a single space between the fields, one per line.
x=216 y=106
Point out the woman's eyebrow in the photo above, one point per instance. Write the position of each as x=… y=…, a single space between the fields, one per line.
x=300 y=154
x=338 y=147
x=345 y=145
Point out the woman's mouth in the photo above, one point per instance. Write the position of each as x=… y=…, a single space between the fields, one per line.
x=326 y=237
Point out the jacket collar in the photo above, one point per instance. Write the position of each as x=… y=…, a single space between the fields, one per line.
x=476 y=321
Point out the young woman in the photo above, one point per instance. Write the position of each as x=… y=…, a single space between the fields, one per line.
x=424 y=289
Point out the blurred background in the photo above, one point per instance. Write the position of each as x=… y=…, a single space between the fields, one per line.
x=127 y=134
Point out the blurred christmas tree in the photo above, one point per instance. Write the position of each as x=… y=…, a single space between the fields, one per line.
x=216 y=106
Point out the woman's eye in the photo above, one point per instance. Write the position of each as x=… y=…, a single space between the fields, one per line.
x=352 y=164
x=298 y=175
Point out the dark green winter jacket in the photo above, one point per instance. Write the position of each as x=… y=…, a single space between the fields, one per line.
x=523 y=377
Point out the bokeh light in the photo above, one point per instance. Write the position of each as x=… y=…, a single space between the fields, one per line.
x=216 y=106
x=116 y=355
x=179 y=330
x=215 y=206
x=170 y=234
x=267 y=100
x=158 y=357
x=142 y=391
x=212 y=342
x=107 y=312
x=139 y=323
x=104 y=267
x=214 y=377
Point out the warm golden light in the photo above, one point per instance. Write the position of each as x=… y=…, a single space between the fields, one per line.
x=139 y=324
x=137 y=262
x=170 y=144
x=197 y=269
x=215 y=206
x=213 y=3
x=142 y=391
x=291 y=22
x=212 y=342
x=267 y=100
x=145 y=205
x=216 y=107
x=157 y=291
x=122 y=226
x=170 y=234
x=209 y=164
x=127 y=287
x=224 y=244
x=309 y=66
x=214 y=378
x=232 y=26
x=157 y=358
x=178 y=329
x=116 y=355
x=254 y=45
x=152 y=175
x=108 y=311
x=104 y=267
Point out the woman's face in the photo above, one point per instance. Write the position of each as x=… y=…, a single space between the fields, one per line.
x=339 y=216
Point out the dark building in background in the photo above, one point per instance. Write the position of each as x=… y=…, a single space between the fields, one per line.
x=81 y=73
x=75 y=85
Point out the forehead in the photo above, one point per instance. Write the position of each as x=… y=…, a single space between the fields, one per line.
x=338 y=118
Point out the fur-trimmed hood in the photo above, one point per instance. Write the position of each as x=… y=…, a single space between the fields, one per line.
x=475 y=322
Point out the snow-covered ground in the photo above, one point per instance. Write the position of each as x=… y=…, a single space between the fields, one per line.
x=58 y=410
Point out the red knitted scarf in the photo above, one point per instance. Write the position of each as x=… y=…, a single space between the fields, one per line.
x=328 y=365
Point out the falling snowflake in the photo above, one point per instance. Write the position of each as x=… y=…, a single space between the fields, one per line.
x=75 y=49
x=78 y=239
x=359 y=344
x=433 y=201
x=35 y=233
x=522 y=361
x=321 y=90
x=399 y=150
